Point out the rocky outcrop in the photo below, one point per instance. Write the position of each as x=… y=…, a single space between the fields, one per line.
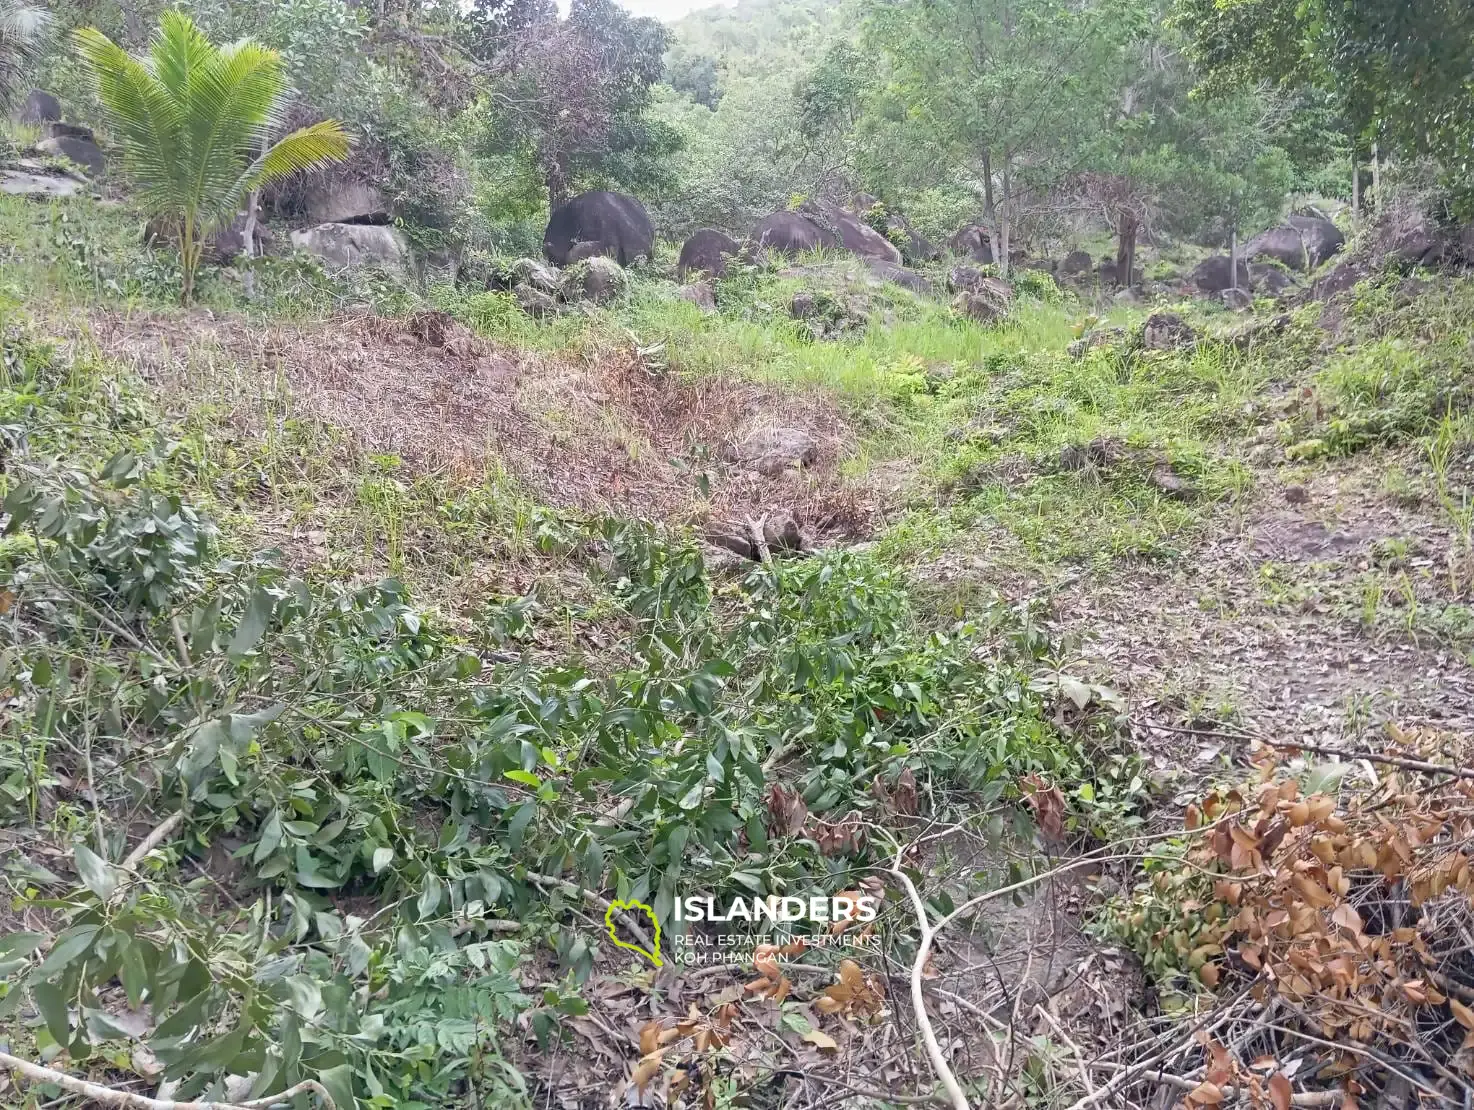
x=915 y=247
x=899 y=275
x=1214 y=275
x=612 y=224
x=853 y=233
x=789 y=233
x=1166 y=331
x=967 y=279
x=1075 y=263
x=599 y=279
x=973 y=242
x=699 y=293
x=831 y=314
x=706 y=252
x=986 y=301
x=1302 y=243
x=1110 y=274
x=337 y=200
x=772 y=449
x=536 y=275
x=534 y=302
x=348 y=246
x=39 y=107
x=1269 y=279
x=29 y=178
x=81 y=152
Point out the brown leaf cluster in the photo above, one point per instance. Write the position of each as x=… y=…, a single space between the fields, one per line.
x=854 y=993
x=1324 y=905
x=788 y=815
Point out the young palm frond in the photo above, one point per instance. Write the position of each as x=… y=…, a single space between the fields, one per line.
x=22 y=28
x=190 y=118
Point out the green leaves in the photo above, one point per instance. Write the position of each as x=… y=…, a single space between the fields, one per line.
x=253 y=624
x=98 y=875
x=187 y=118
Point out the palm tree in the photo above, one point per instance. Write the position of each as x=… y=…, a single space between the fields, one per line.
x=194 y=122
x=21 y=30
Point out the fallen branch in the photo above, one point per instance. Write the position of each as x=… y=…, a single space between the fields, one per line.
x=603 y=903
x=929 y=933
x=940 y=1067
x=759 y=539
x=109 y=1097
x=165 y=830
x=1421 y=765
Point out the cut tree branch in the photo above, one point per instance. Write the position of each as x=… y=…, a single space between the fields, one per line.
x=109 y=1097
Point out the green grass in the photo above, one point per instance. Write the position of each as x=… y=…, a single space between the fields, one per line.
x=78 y=252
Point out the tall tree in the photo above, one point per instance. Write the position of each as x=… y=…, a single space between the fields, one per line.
x=1209 y=166
x=1402 y=72
x=575 y=95
x=1012 y=91
x=195 y=123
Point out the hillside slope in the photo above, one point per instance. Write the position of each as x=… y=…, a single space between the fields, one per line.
x=366 y=645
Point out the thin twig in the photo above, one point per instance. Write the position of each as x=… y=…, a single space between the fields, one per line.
x=1079 y=1056
x=598 y=900
x=109 y=1097
x=179 y=643
x=1375 y=757
x=160 y=834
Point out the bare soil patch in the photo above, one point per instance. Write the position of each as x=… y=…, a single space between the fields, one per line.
x=599 y=433
x=1258 y=622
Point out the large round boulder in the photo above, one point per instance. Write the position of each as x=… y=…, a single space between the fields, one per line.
x=597 y=278
x=790 y=233
x=973 y=242
x=39 y=181
x=1214 y=275
x=1302 y=243
x=853 y=233
x=616 y=225
x=984 y=299
x=338 y=200
x=39 y=107
x=1076 y=262
x=80 y=152
x=706 y=251
x=346 y=246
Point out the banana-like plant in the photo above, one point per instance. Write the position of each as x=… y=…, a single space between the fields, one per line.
x=194 y=122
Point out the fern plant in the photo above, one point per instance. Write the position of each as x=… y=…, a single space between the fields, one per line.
x=194 y=123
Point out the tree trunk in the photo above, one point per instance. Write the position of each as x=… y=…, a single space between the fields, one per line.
x=1376 y=198
x=1233 y=260
x=1355 y=187
x=1005 y=222
x=253 y=208
x=990 y=209
x=555 y=175
x=188 y=258
x=253 y=205
x=988 y=186
x=1127 y=226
